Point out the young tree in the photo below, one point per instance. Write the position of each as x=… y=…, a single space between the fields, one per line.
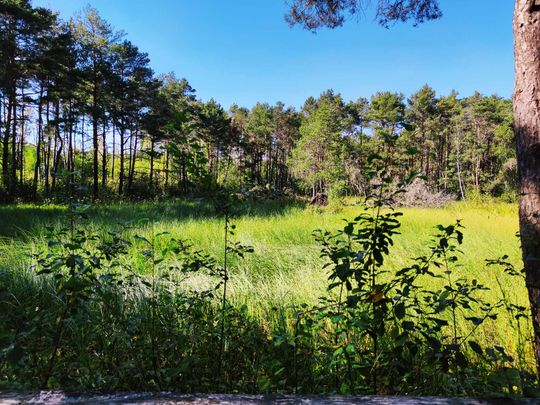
x=317 y=158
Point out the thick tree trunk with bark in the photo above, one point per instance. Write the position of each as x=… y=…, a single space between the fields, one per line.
x=527 y=130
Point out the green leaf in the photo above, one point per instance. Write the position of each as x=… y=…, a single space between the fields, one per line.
x=408 y=325
x=142 y=238
x=399 y=310
x=476 y=347
x=475 y=320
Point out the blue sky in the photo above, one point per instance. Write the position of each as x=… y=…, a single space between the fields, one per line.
x=243 y=51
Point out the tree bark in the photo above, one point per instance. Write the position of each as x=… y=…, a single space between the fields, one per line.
x=527 y=131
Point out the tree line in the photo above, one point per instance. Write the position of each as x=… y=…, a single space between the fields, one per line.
x=79 y=104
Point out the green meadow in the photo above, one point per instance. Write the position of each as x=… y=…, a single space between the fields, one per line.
x=285 y=268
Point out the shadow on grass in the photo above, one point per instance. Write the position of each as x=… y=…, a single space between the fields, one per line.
x=26 y=221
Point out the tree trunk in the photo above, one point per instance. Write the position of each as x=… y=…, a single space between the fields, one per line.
x=58 y=145
x=5 y=146
x=184 y=176
x=71 y=157
x=133 y=159
x=122 y=152
x=166 y=168
x=95 y=119
x=13 y=179
x=21 y=146
x=152 y=146
x=39 y=140
x=47 y=153
x=527 y=130
x=104 y=155
x=113 y=148
x=83 y=151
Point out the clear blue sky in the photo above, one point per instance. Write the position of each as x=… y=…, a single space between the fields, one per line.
x=243 y=51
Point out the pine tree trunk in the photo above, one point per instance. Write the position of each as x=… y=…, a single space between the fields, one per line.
x=71 y=157
x=166 y=168
x=39 y=141
x=83 y=151
x=122 y=152
x=47 y=153
x=152 y=146
x=5 y=145
x=13 y=179
x=95 y=119
x=58 y=145
x=104 y=155
x=133 y=159
x=527 y=130
x=113 y=149
x=21 y=146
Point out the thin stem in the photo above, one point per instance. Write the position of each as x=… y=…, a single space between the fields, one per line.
x=454 y=295
x=225 y=276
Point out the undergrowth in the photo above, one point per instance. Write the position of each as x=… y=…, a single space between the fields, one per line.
x=84 y=318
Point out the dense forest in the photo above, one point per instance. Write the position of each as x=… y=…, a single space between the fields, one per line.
x=79 y=104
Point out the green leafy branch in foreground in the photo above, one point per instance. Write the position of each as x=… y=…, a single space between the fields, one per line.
x=383 y=332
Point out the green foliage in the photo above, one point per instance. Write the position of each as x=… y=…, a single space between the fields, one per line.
x=385 y=332
x=317 y=156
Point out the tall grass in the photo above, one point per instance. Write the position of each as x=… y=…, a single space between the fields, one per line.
x=285 y=268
